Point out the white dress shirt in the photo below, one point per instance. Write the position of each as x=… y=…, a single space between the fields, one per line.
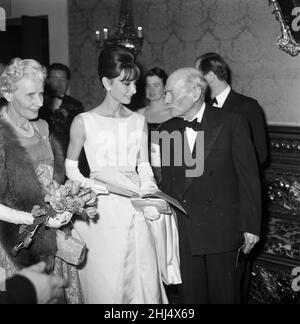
x=222 y=97
x=191 y=137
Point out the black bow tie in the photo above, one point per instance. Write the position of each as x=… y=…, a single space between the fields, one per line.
x=194 y=124
x=213 y=102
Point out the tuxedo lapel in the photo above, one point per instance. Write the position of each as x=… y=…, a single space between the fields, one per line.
x=230 y=101
x=211 y=128
x=211 y=132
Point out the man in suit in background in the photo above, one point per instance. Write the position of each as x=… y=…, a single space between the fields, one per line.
x=59 y=109
x=217 y=73
x=223 y=203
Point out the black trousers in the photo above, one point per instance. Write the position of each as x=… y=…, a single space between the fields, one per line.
x=210 y=279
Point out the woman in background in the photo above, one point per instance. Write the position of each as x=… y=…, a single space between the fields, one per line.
x=156 y=112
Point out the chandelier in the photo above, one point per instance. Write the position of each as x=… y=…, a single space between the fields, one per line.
x=125 y=35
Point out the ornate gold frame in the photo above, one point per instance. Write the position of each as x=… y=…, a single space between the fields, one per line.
x=286 y=41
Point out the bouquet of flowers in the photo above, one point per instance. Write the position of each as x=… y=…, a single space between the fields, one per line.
x=70 y=197
x=62 y=202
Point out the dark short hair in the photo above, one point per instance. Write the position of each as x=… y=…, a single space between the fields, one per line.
x=160 y=73
x=213 y=62
x=114 y=59
x=61 y=67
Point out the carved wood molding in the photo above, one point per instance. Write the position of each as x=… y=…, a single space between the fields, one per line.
x=279 y=144
x=286 y=41
x=282 y=194
x=280 y=185
x=284 y=139
x=282 y=239
x=272 y=285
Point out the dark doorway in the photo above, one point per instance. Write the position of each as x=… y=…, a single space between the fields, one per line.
x=25 y=37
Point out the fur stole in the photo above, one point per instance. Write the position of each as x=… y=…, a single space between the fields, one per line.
x=21 y=190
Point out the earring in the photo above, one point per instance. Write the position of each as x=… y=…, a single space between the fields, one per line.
x=109 y=84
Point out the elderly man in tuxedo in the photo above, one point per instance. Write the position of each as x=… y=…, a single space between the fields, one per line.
x=223 y=203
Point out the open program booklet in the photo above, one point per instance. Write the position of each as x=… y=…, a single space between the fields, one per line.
x=156 y=198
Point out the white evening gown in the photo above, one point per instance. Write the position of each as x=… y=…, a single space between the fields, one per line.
x=128 y=256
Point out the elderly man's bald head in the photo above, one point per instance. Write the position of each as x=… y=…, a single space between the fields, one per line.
x=187 y=78
x=185 y=92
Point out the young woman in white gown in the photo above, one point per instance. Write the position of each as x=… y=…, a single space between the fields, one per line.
x=130 y=253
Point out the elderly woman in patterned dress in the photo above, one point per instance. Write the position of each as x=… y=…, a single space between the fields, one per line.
x=26 y=168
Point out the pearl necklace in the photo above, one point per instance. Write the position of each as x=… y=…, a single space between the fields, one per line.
x=20 y=130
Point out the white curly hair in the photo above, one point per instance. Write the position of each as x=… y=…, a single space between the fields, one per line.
x=19 y=69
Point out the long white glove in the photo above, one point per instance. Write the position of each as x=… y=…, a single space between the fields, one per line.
x=15 y=216
x=148 y=185
x=146 y=177
x=73 y=173
x=59 y=220
x=23 y=218
x=155 y=157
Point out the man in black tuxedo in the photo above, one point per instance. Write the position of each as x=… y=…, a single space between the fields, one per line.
x=59 y=109
x=223 y=203
x=217 y=74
